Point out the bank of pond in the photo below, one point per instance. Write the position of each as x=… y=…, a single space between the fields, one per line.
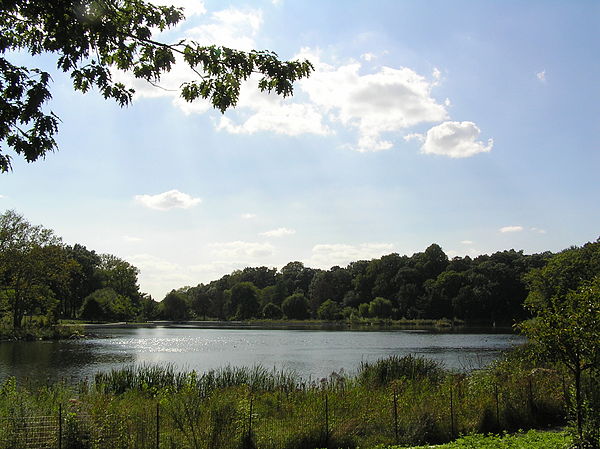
x=393 y=401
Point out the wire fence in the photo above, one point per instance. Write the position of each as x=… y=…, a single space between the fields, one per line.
x=329 y=419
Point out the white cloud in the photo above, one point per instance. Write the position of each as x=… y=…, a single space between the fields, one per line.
x=231 y=27
x=160 y=276
x=2 y=197
x=368 y=56
x=279 y=232
x=327 y=255
x=506 y=229
x=386 y=101
x=280 y=116
x=541 y=76
x=130 y=239
x=248 y=216
x=538 y=230
x=467 y=242
x=455 y=140
x=241 y=250
x=168 y=200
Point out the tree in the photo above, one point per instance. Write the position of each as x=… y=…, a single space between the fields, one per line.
x=92 y=38
x=174 y=306
x=272 y=311
x=567 y=328
x=329 y=310
x=119 y=275
x=380 y=308
x=244 y=301
x=565 y=300
x=295 y=307
x=32 y=259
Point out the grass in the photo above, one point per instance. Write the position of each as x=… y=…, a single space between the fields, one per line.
x=530 y=440
x=399 y=400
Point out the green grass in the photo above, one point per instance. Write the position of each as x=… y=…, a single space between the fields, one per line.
x=530 y=440
x=399 y=400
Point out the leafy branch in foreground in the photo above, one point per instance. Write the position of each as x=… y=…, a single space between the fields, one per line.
x=91 y=38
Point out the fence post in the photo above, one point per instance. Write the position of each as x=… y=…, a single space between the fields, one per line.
x=326 y=421
x=157 y=425
x=451 y=411
x=250 y=416
x=396 y=414
x=59 y=426
x=497 y=406
x=530 y=395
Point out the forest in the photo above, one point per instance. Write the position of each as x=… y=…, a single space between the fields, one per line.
x=42 y=277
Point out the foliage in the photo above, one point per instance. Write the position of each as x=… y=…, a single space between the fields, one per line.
x=267 y=408
x=40 y=276
x=31 y=263
x=534 y=439
x=272 y=311
x=174 y=306
x=295 y=307
x=329 y=310
x=90 y=40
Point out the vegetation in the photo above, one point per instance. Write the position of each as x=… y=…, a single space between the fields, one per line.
x=403 y=401
x=565 y=300
x=530 y=440
x=91 y=40
x=42 y=277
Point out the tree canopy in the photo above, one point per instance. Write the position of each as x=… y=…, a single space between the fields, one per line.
x=93 y=38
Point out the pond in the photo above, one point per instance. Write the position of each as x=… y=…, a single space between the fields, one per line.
x=311 y=353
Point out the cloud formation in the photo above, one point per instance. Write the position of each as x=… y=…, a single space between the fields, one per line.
x=171 y=199
x=370 y=105
x=279 y=232
x=327 y=255
x=453 y=139
x=506 y=229
x=241 y=250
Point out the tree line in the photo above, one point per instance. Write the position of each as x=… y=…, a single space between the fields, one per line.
x=488 y=289
x=42 y=276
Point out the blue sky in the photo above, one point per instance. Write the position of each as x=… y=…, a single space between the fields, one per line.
x=471 y=124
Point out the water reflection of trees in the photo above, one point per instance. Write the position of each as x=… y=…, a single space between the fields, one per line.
x=51 y=361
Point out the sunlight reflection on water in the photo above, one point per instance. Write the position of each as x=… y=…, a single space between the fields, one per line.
x=310 y=353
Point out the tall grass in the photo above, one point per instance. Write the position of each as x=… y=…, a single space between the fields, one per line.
x=398 y=400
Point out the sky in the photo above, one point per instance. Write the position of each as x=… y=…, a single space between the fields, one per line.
x=471 y=124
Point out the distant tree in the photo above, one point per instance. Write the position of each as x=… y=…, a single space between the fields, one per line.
x=244 y=301
x=272 y=311
x=107 y=304
x=93 y=39
x=32 y=260
x=296 y=277
x=363 y=310
x=329 y=310
x=295 y=307
x=174 y=306
x=119 y=275
x=84 y=278
x=148 y=308
x=380 y=308
x=200 y=303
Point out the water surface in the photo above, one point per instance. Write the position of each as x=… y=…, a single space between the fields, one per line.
x=311 y=353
